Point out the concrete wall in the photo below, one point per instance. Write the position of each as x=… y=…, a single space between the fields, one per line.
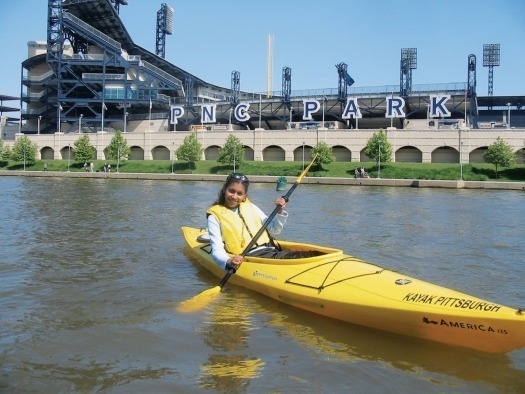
x=408 y=145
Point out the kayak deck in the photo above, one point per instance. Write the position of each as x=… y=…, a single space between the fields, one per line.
x=343 y=287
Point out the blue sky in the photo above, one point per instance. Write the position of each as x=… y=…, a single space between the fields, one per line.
x=212 y=38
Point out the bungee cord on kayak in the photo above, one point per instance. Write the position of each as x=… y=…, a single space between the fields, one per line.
x=334 y=264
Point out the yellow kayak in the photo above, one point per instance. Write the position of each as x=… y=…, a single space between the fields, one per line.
x=345 y=288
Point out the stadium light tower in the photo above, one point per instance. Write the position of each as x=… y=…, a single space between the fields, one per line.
x=345 y=80
x=471 y=91
x=490 y=59
x=408 y=63
x=287 y=84
x=236 y=86
x=164 y=26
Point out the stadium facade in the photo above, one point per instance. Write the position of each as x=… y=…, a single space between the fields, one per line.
x=90 y=77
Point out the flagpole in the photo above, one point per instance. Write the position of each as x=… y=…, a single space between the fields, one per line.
x=260 y=110
x=149 y=118
x=102 y=123
x=465 y=107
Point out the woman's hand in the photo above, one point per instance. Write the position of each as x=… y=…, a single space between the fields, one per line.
x=282 y=203
x=235 y=262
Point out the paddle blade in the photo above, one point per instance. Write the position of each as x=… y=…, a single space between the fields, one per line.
x=306 y=169
x=200 y=301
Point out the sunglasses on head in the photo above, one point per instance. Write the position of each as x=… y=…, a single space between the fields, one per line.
x=237 y=176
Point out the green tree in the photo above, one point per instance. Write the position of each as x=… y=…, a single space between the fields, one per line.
x=190 y=151
x=378 y=147
x=5 y=153
x=324 y=153
x=118 y=145
x=83 y=151
x=231 y=152
x=500 y=153
x=24 y=148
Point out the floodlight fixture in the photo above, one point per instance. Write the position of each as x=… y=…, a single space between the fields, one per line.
x=491 y=54
x=168 y=18
x=410 y=55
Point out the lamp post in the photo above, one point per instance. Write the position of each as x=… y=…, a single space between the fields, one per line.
x=118 y=155
x=230 y=122
x=324 y=101
x=508 y=115
x=103 y=114
x=291 y=111
x=25 y=141
x=172 y=157
x=234 y=154
x=69 y=157
x=379 y=158
x=303 y=155
x=59 y=118
x=39 y=119
x=461 y=160
x=125 y=121
x=80 y=123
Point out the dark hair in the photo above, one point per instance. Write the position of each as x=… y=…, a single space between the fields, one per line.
x=236 y=177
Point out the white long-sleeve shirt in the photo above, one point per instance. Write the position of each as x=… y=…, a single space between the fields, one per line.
x=219 y=254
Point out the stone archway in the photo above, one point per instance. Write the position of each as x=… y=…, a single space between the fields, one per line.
x=160 y=153
x=298 y=153
x=445 y=154
x=409 y=154
x=47 y=153
x=137 y=153
x=274 y=153
x=212 y=152
x=476 y=156
x=342 y=153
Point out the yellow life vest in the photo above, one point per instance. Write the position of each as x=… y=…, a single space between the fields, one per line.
x=236 y=232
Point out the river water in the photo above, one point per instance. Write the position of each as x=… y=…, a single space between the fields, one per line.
x=91 y=272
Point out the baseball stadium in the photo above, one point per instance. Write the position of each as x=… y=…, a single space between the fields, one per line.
x=90 y=77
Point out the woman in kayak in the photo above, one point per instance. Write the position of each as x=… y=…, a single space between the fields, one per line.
x=233 y=221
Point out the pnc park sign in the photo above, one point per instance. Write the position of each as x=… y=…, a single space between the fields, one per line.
x=394 y=109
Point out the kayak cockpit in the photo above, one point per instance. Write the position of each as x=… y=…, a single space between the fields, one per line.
x=323 y=251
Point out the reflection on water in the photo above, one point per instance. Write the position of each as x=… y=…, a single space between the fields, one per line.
x=226 y=330
x=335 y=345
x=91 y=272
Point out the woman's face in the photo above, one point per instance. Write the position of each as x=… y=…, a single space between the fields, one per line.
x=234 y=194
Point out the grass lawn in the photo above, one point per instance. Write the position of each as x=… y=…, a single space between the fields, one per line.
x=437 y=171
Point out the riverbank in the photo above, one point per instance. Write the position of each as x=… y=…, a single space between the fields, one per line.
x=446 y=184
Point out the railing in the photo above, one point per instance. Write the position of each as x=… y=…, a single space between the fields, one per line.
x=39 y=78
x=100 y=77
x=131 y=58
x=212 y=96
x=154 y=116
x=34 y=95
x=34 y=111
x=363 y=91
x=162 y=73
x=97 y=33
x=440 y=87
x=85 y=57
